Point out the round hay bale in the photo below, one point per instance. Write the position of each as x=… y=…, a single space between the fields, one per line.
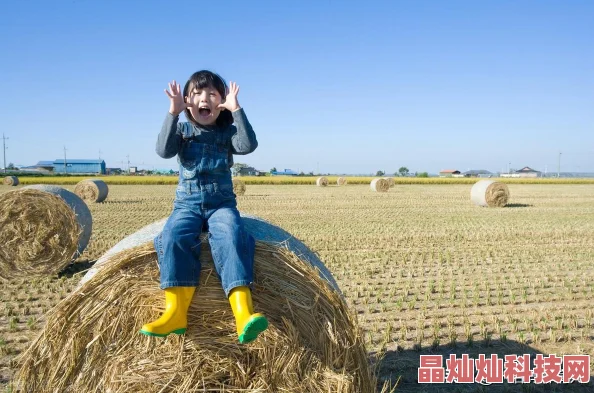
x=91 y=341
x=11 y=181
x=260 y=229
x=390 y=181
x=322 y=181
x=42 y=229
x=489 y=193
x=92 y=190
x=380 y=185
x=341 y=181
x=238 y=187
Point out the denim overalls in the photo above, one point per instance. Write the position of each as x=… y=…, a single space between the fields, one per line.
x=204 y=199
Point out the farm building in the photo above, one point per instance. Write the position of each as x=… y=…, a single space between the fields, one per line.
x=449 y=173
x=477 y=173
x=246 y=171
x=33 y=169
x=524 y=172
x=47 y=165
x=286 y=172
x=114 y=171
x=527 y=172
x=79 y=166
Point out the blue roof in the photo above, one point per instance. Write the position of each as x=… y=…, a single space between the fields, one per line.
x=45 y=163
x=73 y=161
x=285 y=172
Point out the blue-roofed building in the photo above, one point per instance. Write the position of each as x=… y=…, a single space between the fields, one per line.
x=47 y=165
x=286 y=172
x=79 y=166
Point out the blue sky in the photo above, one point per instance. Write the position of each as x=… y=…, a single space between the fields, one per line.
x=346 y=87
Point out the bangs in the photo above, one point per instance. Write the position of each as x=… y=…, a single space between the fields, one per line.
x=206 y=79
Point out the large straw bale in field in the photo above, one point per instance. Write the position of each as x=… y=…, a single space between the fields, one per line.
x=341 y=181
x=42 y=229
x=91 y=340
x=390 y=181
x=380 y=185
x=11 y=181
x=489 y=193
x=322 y=181
x=238 y=187
x=92 y=190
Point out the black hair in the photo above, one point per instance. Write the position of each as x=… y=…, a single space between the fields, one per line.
x=201 y=80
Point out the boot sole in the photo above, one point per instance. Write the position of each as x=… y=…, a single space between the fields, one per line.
x=176 y=331
x=252 y=329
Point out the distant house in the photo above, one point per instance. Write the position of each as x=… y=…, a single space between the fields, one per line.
x=286 y=172
x=449 y=173
x=47 y=165
x=113 y=171
x=527 y=172
x=35 y=169
x=246 y=171
x=524 y=172
x=477 y=173
x=79 y=166
x=165 y=172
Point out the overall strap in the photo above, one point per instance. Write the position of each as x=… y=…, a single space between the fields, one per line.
x=223 y=142
x=220 y=139
x=187 y=130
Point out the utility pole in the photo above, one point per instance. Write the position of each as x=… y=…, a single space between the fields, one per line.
x=4 y=150
x=128 y=158
x=65 y=169
x=99 y=155
x=559 y=166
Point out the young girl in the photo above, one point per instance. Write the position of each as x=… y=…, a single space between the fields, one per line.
x=217 y=127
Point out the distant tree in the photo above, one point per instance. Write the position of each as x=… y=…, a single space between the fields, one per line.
x=422 y=174
x=273 y=169
x=403 y=171
x=10 y=166
x=238 y=165
x=379 y=173
x=311 y=173
x=301 y=173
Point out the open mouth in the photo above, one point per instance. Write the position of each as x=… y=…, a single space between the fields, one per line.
x=204 y=111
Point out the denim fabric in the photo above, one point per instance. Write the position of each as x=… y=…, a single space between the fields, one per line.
x=204 y=200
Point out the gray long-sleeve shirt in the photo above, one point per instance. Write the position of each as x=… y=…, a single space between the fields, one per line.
x=242 y=136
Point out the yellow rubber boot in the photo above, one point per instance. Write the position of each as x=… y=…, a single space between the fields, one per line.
x=249 y=324
x=175 y=317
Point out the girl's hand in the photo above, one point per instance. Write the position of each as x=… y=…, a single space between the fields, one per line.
x=230 y=102
x=177 y=103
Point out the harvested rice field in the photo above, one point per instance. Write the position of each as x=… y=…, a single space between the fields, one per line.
x=425 y=271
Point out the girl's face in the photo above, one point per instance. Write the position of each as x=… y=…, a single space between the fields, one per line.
x=205 y=104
